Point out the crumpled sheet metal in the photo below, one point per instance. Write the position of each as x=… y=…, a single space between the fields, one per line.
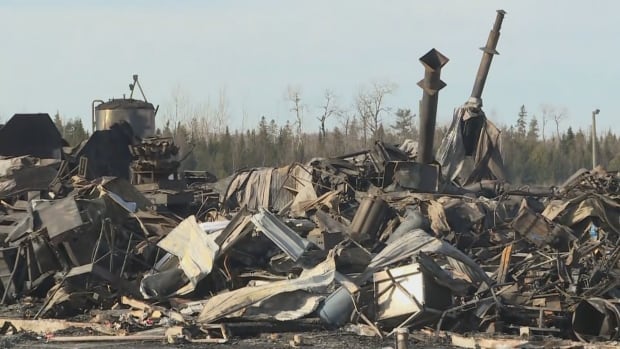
x=124 y=193
x=410 y=147
x=226 y=303
x=536 y=228
x=272 y=188
x=283 y=307
x=409 y=245
x=283 y=236
x=339 y=305
x=195 y=249
x=250 y=189
x=26 y=173
x=596 y=318
x=12 y=166
x=58 y=216
x=574 y=211
x=210 y=227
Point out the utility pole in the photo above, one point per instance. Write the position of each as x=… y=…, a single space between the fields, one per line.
x=594 y=113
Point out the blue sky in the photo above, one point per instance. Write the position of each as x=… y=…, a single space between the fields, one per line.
x=60 y=55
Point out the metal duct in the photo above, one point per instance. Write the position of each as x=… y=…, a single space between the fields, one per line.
x=487 y=57
x=370 y=217
x=433 y=61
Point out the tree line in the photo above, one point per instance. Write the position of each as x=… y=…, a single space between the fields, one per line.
x=534 y=148
x=529 y=159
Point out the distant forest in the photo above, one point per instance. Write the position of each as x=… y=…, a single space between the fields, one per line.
x=529 y=156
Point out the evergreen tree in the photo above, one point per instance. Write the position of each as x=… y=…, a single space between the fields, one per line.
x=273 y=131
x=532 y=133
x=380 y=133
x=264 y=142
x=182 y=140
x=403 y=124
x=353 y=138
x=285 y=142
x=614 y=163
x=167 y=131
x=338 y=143
x=58 y=123
x=570 y=135
x=522 y=122
x=240 y=151
x=74 y=132
x=227 y=151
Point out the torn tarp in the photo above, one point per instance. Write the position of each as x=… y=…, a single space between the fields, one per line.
x=471 y=134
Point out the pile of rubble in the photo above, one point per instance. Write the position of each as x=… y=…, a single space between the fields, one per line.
x=368 y=242
x=386 y=241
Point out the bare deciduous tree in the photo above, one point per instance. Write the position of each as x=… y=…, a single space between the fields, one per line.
x=293 y=94
x=202 y=120
x=294 y=97
x=370 y=104
x=180 y=107
x=558 y=116
x=546 y=110
x=244 y=118
x=347 y=120
x=221 y=113
x=328 y=109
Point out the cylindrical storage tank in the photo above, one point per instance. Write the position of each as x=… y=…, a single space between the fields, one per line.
x=139 y=114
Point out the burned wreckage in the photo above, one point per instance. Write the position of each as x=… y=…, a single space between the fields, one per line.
x=391 y=240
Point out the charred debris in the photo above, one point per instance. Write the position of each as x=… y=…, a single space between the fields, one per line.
x=377 y=242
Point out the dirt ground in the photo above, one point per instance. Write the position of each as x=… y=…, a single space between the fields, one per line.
x=311 y=340
x=323 y=339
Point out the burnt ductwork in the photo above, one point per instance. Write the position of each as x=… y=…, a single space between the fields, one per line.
x=433 y=61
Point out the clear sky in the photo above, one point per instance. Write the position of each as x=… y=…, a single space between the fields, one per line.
x=60 y=55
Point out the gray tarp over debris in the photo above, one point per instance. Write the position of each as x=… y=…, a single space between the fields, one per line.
x=471 y=134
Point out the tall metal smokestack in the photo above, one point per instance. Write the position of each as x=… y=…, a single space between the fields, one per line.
x=433 y=61
x=487 y=57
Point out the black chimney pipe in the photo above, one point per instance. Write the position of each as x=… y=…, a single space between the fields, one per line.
x=433 y=61
x=487 y=57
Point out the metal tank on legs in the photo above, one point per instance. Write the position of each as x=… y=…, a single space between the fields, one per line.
x=140 y=114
